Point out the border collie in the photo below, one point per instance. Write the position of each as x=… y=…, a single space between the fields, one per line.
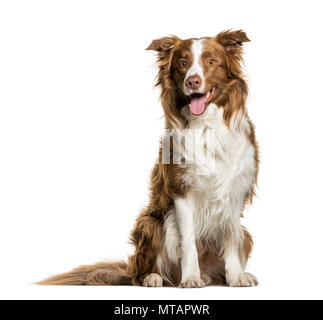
x=190 y=234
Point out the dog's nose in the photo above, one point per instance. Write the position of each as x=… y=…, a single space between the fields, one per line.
x=193 y=82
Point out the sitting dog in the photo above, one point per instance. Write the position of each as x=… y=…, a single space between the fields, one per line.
x=190 y=234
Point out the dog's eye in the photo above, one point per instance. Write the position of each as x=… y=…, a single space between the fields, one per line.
x=183 y=63
x=211 y=62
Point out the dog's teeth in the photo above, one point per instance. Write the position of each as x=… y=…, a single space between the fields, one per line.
x=208 y=95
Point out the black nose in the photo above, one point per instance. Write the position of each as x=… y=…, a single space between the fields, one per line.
x=193 y=82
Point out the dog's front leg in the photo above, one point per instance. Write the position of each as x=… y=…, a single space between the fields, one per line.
x=191 y=275
x=235 y=261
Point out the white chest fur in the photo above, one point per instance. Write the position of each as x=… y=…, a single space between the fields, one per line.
x=220 y=171
x=219 y=177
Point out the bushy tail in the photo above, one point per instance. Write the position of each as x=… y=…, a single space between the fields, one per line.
x=102 y=273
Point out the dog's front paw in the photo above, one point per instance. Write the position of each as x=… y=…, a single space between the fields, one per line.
x=241 y=280
x=192 y=282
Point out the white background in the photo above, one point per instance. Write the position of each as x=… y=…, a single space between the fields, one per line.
x=80 y=123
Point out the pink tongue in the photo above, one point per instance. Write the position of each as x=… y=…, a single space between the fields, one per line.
x=197 y=105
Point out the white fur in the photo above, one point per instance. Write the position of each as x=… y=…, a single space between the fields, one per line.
x=196 y=67
x=153 y=280
x=172 y=238
x=219 y=176
x=185 y=222
x=233 y=266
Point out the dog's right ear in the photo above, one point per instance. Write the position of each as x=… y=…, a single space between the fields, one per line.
x=164 y=45
x=165 y=48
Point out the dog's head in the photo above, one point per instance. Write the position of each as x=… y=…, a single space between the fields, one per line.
x=199 y=72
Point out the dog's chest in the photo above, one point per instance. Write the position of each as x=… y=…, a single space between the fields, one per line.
x=221 y=164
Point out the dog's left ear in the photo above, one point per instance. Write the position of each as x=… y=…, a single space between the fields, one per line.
x=232 y=41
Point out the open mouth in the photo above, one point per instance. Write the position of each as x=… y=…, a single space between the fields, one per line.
x=199 y=101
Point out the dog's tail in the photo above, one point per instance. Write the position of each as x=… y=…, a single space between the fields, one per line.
x=102 y=273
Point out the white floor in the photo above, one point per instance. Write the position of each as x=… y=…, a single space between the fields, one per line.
x=304 y=289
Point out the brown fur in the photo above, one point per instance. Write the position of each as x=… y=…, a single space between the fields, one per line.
x=166 y=183
x=102 y=273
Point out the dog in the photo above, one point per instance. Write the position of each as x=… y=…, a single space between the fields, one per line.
x=190 y=235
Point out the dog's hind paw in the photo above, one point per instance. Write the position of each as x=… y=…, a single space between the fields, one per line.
x=153 y=280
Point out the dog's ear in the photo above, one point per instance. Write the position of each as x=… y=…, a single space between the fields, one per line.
x=234 y=95
x=164 y=45
x=165 y=48
x=232 y=41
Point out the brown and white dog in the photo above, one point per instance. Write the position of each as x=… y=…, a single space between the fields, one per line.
x=190 y=233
